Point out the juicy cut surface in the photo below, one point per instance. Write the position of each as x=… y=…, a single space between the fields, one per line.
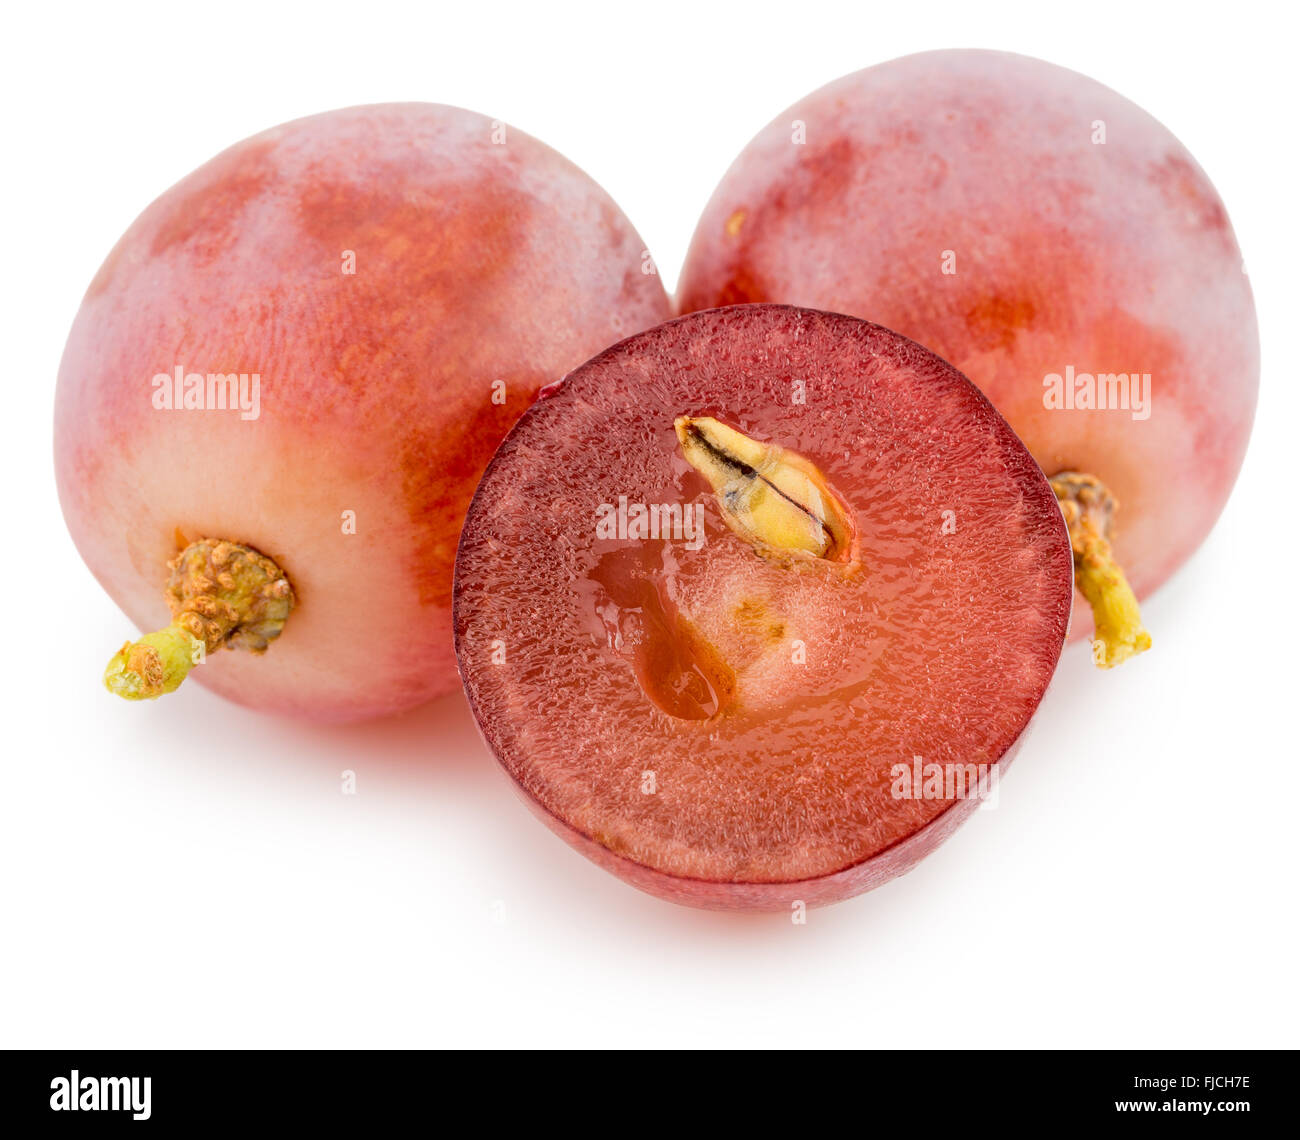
x=717 y=711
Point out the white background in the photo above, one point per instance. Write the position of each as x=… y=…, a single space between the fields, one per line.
x=186 y=873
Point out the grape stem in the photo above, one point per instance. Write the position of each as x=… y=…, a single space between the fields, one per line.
x=1088 y=507
x=221 y=594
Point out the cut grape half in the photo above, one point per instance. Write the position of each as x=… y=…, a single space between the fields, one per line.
x=732 y=593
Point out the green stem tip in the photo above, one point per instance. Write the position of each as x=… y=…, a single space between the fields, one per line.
x=156 y=664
